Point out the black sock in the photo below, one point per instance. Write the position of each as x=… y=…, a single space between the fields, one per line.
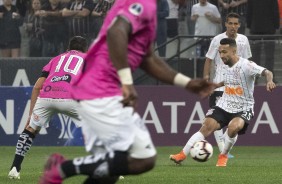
x=97 y=166
x=23 y=145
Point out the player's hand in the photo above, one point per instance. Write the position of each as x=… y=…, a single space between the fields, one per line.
x=202 y=87
x=129 y=96
x=270 y=86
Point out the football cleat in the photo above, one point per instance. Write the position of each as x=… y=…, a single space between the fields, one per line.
x=222 y=160
x=178 y=158
x=51 y=171
x=14 y=174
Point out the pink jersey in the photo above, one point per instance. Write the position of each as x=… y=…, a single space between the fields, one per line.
x=99 y=78
x=63 y=71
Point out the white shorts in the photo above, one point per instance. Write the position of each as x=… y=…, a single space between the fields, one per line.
x=118 y=128
x=45 y=108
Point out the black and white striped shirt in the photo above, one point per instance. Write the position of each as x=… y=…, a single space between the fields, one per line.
x=239 y=81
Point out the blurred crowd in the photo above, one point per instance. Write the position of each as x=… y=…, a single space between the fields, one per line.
x=42 y=28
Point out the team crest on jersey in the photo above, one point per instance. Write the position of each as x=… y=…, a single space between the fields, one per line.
x=136 y=9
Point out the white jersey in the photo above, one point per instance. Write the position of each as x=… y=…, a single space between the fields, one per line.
x=243 y=50
x=239 y=81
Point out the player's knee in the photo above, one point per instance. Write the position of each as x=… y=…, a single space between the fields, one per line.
x=32 y=130
x=208 y=127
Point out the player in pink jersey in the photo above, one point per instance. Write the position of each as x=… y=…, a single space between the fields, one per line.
x=235 y=108
x=51 y=95
x=107 y=97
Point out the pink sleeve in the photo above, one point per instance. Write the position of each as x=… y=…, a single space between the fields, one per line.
x=47 y=67
x=138 y=13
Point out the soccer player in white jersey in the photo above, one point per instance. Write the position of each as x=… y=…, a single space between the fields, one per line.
x=213 y=62
x=232 y=25
x=107 y=97
x=235 y=108
x=50 y=95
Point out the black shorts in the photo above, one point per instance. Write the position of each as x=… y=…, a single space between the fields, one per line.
x=214 y=98
x=223 y=117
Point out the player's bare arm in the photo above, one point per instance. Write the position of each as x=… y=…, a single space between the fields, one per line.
x=207 y=67
x=270 y=85
x=118 y=34
x=156 y=67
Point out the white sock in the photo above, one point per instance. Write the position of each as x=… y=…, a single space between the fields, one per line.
x=218 y=135
x=228 y=144
x=198 y=136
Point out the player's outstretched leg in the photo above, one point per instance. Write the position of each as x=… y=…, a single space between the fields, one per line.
x=110 y=164
x=178 y=158
x=23 y=145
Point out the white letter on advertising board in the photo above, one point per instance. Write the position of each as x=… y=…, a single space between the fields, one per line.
x=199 y=110
x=155 y=119
x=173 y=114
x=269 y=119
x=8 y=122
x=21 y=77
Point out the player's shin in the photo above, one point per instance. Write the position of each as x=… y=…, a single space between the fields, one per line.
x=219 y=137
x=198 y=136
x=97 y=166
x=228 y=144
x=23 y=146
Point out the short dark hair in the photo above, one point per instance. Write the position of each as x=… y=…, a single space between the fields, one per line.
x=78 y=43
x=228 y=41
x=232 y=15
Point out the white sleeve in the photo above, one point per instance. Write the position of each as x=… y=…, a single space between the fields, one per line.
x=213 y=49
x=247 y=50
x=253 y=69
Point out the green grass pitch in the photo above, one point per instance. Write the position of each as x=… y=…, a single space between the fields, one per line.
x=251 y=165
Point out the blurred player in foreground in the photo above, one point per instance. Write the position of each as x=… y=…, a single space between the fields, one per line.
x=214 y=64
x=235 y=108
x=51 y=95
x=107 y=97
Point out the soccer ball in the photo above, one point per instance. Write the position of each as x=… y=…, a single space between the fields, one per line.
x=201 y=151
